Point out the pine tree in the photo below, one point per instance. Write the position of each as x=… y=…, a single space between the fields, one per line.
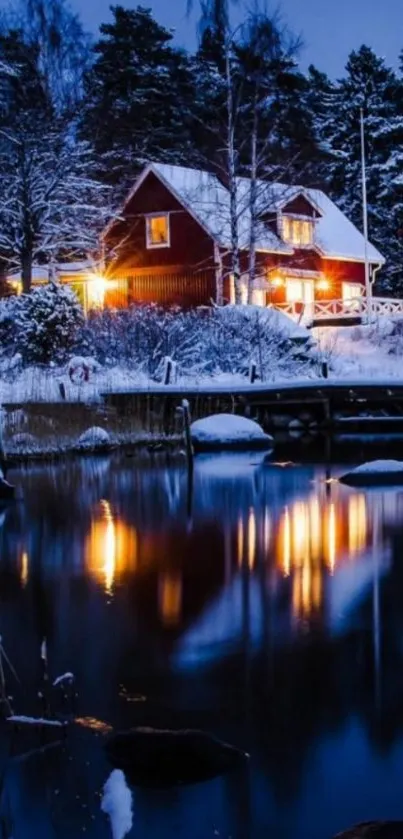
x=369 y=84
x=138 y=95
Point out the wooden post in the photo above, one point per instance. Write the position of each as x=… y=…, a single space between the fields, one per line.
x=325 y=369
x=188 y=436
x=45 y=679
x=167 y=370
x=252 y=372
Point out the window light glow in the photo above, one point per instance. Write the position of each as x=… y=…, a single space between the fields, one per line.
x=157 y=229
x=297 y=232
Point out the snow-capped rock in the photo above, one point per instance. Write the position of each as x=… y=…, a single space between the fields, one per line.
x=375 y=473
x=228 y=431
x=94 y=436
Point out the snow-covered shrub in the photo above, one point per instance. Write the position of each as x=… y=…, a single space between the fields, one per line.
x=201 y=342
x=41 y=326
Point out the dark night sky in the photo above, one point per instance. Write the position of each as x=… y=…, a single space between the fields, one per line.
x=330 y=28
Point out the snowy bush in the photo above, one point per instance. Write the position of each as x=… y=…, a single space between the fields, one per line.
x=201 y=342
x=41 y=326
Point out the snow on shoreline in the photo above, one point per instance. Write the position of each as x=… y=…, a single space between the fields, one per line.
x=358 y=355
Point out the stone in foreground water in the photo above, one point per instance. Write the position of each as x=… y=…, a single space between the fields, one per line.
x=163 y=758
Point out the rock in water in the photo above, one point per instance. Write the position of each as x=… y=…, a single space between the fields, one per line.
x=375 y=473
x=374 y=830
x=162 y=758
x=94 y=437
x=228 y=431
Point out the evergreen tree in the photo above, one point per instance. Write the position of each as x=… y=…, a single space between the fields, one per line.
x=138 y=96
x=208 y=123
x=369 y=84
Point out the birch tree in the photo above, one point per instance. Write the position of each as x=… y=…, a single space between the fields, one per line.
x=266 y=60
x=50 y=204
x=62 y=45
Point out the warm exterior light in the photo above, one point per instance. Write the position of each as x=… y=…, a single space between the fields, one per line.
x=277 y=281
x=97 y=287
x=323 y=285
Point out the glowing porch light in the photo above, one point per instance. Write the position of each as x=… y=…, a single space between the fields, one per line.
x=277 y=282
x=97 y=287
x=323 y=284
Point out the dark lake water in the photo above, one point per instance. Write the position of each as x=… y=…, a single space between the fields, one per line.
x=267 y=609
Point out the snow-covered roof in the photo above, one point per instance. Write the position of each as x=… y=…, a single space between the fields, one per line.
x=209 y=201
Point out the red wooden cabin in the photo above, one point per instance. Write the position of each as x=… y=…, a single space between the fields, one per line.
x=171 y=243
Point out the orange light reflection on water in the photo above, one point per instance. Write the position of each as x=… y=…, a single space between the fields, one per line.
x=111 y=548
x=312 y=537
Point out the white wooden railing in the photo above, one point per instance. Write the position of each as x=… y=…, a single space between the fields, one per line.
x=327 y=309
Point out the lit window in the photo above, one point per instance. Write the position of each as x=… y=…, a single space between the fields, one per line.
x=297 y=231
x=157 y=228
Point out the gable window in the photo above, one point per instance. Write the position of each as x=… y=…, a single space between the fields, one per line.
x=298 y=231
x=157 y=231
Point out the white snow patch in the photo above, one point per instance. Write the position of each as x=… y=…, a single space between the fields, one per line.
x=227 y=429
x=270 y=319
x=117 y=804
x=66 y=677
x=23 y=720
x=94 y=437
x=24 y=440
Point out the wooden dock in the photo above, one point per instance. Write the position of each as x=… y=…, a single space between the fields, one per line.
x=311 y=406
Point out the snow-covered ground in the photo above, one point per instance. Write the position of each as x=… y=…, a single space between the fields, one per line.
x=360 y=353
x=366 y=352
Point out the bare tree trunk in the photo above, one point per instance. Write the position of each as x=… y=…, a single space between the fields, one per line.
x=26 y=272
x=253 y=203
x=232 y=183
x=219 y=278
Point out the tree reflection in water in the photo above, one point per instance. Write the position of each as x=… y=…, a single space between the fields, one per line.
x=273 y=617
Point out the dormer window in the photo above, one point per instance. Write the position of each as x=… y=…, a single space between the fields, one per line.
x=298 y=231
x=158 y=231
